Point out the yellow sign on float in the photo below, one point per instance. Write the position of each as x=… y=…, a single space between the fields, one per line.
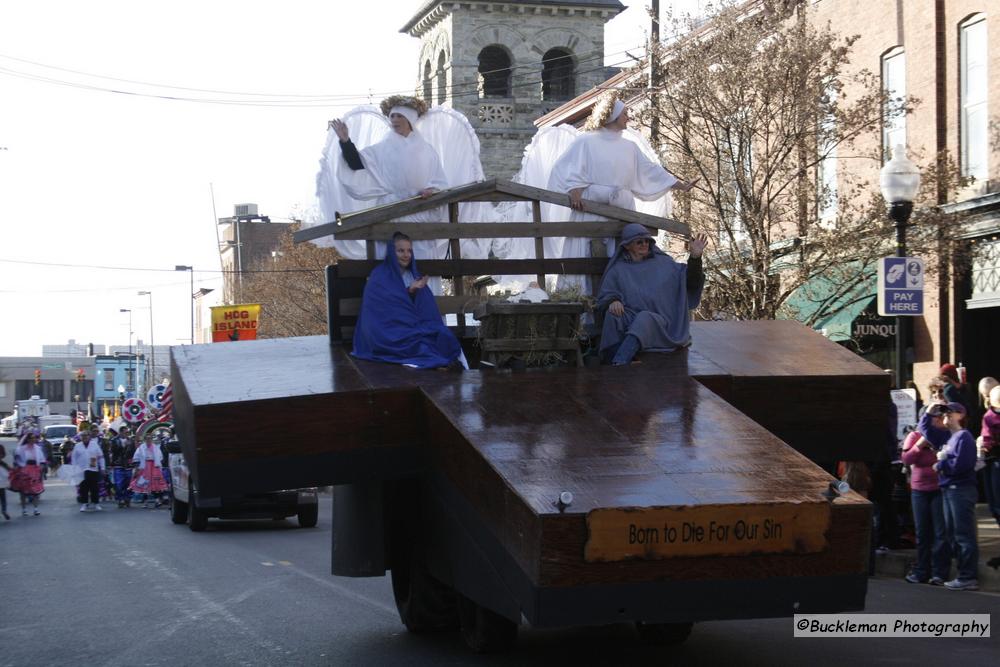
x=235 y=322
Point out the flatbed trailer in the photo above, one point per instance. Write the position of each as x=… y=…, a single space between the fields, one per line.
x=685 y=488
x=683 y=508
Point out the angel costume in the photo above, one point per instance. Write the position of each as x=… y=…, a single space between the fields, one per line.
x=611 y=169
x=614 y=167
x=441 y=151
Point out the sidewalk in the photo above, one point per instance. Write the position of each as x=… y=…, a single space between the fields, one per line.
x=897 y=563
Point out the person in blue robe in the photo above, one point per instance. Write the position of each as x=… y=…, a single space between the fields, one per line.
x=646 y=297
x=399 y=321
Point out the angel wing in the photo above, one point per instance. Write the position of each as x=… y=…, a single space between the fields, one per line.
x=663 y=206
x=545 y=148
x=367 y=126
x=457 y=144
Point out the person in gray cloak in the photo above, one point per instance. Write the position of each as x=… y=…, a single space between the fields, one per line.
x=648 y=296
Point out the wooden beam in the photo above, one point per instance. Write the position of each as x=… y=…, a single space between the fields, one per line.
x=607 y=210
x=383 y=231
x=360 y=268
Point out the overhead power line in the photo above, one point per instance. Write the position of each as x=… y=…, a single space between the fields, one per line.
x=295 y=100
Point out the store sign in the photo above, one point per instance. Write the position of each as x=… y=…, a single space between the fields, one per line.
x=873 y=327
x=232 y=323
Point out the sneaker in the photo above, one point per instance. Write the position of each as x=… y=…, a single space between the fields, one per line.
x=24 y=512
x=83 y=508
x=962 y=585
x=6 y=516
x=882 y=550
x=98 y=507
x=936 y=581
x=37 y=513
x=913 y=579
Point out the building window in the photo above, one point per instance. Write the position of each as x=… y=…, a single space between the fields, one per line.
x=557 y=75
x=85 y=390
x=442 y=80
x=974 y=121
x=109 y=379
x=428 y=89
x=894 y=87
x=50 y=389
x=494 y=72
x=129 y=379
x=3 y=390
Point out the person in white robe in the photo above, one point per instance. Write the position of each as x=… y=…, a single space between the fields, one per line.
x=400 y=166
x=603 y=166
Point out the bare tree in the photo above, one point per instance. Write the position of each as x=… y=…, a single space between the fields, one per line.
x=761 y=105
x=290 y=288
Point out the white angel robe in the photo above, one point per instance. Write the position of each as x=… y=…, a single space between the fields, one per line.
x=398 y=168
x=612 y=170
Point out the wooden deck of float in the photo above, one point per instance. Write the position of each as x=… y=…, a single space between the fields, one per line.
x=663 y=433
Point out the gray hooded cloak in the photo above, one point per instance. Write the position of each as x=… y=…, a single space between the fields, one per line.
x=656 y=296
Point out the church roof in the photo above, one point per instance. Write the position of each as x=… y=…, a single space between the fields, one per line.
x=611 y=5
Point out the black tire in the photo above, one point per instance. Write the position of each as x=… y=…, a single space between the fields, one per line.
x=197 y=518
x=663 y=634
x=424 y=603
x=483 y=630
x=178 y=511
x=308 y=516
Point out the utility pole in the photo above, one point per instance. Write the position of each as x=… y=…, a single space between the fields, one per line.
x=654 y=76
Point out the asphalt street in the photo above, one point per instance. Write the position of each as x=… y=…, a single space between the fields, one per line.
x=127 y=587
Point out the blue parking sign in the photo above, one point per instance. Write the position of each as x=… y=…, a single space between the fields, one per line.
x=901 y=286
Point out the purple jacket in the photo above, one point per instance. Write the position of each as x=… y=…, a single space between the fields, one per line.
x=921 y=462
x=991 y=430
x=959 y=468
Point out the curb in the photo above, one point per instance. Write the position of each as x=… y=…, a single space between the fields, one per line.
x=896 y=565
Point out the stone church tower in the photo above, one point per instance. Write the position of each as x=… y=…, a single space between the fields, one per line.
x=504 y=64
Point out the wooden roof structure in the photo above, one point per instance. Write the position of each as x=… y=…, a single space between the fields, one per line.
x=377 y=224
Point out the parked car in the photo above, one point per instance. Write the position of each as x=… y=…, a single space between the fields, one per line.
x=8 y=426
x=189 y=506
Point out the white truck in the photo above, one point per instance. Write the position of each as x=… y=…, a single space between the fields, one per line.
x=35 y=407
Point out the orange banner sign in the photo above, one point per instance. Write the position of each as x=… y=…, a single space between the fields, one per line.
x=235 y=322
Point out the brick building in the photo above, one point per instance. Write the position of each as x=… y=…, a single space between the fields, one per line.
x=945 y=53
x=247 y=240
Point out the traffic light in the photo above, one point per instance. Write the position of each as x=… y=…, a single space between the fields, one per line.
x=80 y=375
x=38 y=376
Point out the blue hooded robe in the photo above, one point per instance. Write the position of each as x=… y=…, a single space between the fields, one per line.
x=398 y=328
x=656 y=297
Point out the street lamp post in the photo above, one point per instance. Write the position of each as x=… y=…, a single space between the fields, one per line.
x=900 y=180
x=151 y=371
x=129 y=379
x=190 y=269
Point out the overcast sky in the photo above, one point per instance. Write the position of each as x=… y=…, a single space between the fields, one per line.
x=105 y=161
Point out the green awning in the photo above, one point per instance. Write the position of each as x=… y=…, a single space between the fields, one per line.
x=828 y=305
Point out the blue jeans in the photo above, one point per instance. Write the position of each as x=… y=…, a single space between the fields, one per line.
x=991 y=484
x=933 y=549
x=960 y=520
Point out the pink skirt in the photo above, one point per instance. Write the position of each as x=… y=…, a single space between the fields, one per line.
x=148 y=480
x=27 y=480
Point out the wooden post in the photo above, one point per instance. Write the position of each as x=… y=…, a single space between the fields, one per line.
x=457 y=279
x=536 y=217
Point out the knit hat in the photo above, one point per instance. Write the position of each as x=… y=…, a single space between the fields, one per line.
x=949 y=370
